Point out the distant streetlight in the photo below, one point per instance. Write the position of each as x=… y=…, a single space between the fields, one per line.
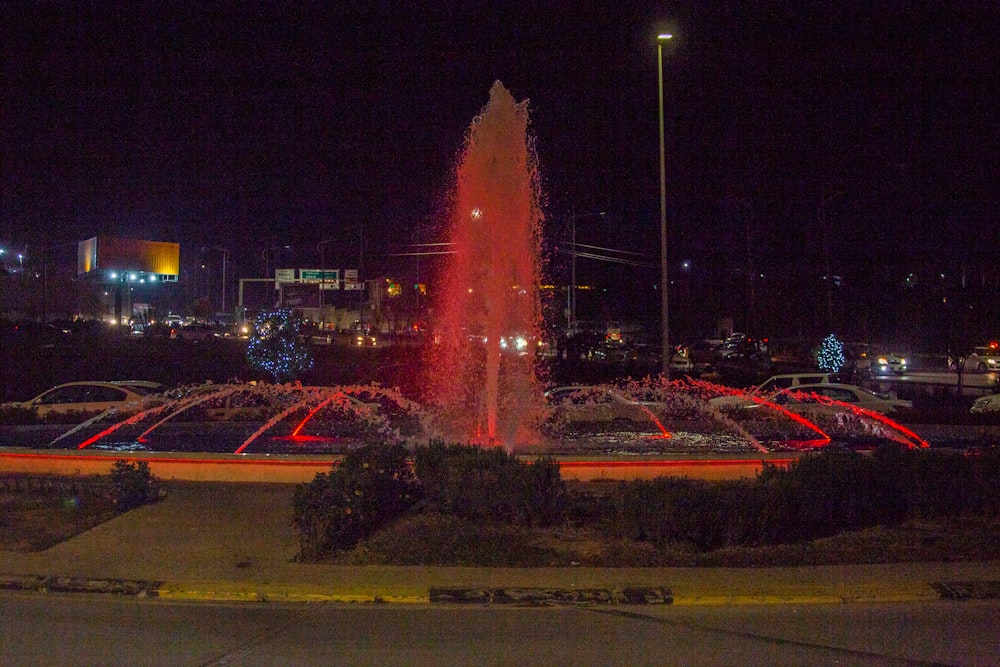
x=322 y=281
x=267 y=254
x=574 y=251
x=225 y=257
x=664 y=301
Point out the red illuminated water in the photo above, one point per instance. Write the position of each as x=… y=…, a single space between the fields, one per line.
x=482 y=371
x=896 y=431
x=909 y=438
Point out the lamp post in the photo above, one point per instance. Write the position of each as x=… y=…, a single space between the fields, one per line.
x=571 y=326
x=225 y=257
x=322 y=281
x=666 y=354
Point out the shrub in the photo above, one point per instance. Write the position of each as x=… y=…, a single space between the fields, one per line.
x=11 y=415
x=489 y=485
x=371 y=487
x=818 y=496
x=132 y=485
x=671 y=510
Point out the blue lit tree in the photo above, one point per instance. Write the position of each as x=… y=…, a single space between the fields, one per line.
x=274 y=346
x=831 y=355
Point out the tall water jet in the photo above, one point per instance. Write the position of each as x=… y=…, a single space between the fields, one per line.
x=482 y=369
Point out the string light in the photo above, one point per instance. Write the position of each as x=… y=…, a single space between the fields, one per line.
x=274 y=346
x=831 y=355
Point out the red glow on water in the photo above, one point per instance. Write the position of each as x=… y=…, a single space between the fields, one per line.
x=914 y=440
x=664 y=434
x=295 y=438
x=312 y=413
x=114 y=427
x=805 y=444
x=93 y=439
x=708 y=389
x=489 y=292
x=794 y=416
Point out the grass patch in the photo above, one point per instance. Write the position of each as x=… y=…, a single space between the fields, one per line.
x=434 y=539
x=36 y=519
x=37 y=512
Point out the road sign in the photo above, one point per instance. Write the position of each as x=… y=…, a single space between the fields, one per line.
x=283 y=276
x=351 y=279
x=319 y=275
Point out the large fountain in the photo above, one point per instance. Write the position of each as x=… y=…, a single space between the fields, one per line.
x=481 y=375
x=481 y=371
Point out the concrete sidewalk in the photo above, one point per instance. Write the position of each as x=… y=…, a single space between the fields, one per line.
x=222 y=541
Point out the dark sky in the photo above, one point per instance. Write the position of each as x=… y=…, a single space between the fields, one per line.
x=251 y=126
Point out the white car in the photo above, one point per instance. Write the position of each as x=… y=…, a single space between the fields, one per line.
x=826 y=397
x=831 y=397
x=87 y=397
x=984 y=359
x=986 y=404
x=769 y=387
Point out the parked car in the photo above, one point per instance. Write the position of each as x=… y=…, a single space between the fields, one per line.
x=827 y=397
x=704 y=353
x=195 y=332
x=680 y=362
x=744 y=361
x=87 y=397
x=590 y=403
x=986 y=404
x=984 y=359
x=770 y=387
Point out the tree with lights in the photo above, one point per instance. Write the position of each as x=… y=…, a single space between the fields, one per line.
x=274 y=346
x=831 y=355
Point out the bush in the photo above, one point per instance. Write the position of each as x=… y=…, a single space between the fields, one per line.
x=132 y=485
x=457 y=487
x=17 y=416
x=818 y=496
x=371 y=487
x=490 y=485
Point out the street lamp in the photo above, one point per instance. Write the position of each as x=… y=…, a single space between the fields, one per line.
x=322 y=281
x=225 y=257
x=664 y=302
x=574 y=252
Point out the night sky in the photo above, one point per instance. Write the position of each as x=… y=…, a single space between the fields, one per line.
x=839 y=136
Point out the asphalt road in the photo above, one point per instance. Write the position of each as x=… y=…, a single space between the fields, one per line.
x=67 y=630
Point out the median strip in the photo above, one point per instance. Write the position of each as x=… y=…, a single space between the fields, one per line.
x=541 y=596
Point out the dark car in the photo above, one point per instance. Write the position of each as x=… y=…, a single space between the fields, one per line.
x=703 y=354
x=746 y=362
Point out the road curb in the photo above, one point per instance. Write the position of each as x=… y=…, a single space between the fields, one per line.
x=541 y=595
x=282 y=595
x=51 y=584
x=803 y=599
x=518 y=596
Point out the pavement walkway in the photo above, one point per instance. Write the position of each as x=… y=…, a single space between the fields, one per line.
x=229 y=541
